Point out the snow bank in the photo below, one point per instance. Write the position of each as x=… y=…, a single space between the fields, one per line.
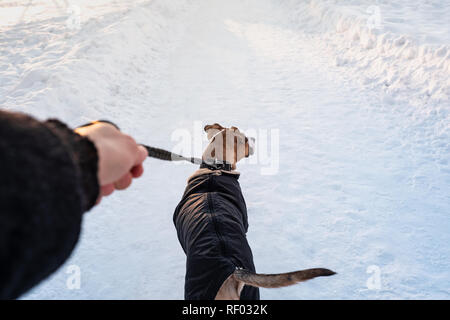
x=400 y=47
x=65 y=63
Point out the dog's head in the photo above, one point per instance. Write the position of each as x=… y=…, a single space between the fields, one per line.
x=227 y=144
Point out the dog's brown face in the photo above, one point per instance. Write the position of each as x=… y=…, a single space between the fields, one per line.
x=227 y=144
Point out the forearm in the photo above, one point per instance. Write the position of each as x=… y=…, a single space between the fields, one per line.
x=49 y=179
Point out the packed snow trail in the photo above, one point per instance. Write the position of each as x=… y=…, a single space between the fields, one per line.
x=362 y=185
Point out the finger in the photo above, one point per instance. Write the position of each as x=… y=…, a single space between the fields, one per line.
x=123 y=182
x=137 y=171
x=107 y=190
x=141 y=155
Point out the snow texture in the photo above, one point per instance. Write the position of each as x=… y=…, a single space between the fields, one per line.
x=359 y=93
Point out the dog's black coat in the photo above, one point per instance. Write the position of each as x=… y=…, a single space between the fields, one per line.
x=211 y=223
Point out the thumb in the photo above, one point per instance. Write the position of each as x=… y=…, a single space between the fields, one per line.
x=141 y=155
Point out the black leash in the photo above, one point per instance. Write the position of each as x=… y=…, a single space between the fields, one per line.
x=170 y=156
x=162 y=154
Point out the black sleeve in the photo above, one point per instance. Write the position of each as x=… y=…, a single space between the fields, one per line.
x=48 y=179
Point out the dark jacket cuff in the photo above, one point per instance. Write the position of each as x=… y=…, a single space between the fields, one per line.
x=85 y=156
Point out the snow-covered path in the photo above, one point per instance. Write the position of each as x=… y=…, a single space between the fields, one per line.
x=363 y=181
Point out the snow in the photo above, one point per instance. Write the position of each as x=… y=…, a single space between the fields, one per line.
x=360 y=103
x=401 y=48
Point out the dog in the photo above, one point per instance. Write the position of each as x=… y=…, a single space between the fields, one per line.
x=211 y=223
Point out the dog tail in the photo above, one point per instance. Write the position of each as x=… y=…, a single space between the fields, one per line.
x=280 y=279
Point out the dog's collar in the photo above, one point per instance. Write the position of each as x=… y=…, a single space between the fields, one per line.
x=216 y=165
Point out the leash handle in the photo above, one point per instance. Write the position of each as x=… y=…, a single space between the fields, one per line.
x=97 y=121
x=153 y=152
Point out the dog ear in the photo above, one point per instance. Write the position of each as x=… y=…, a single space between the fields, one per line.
x=212 y=129
x=213 y=126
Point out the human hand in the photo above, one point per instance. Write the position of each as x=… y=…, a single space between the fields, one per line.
x=120 y=157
